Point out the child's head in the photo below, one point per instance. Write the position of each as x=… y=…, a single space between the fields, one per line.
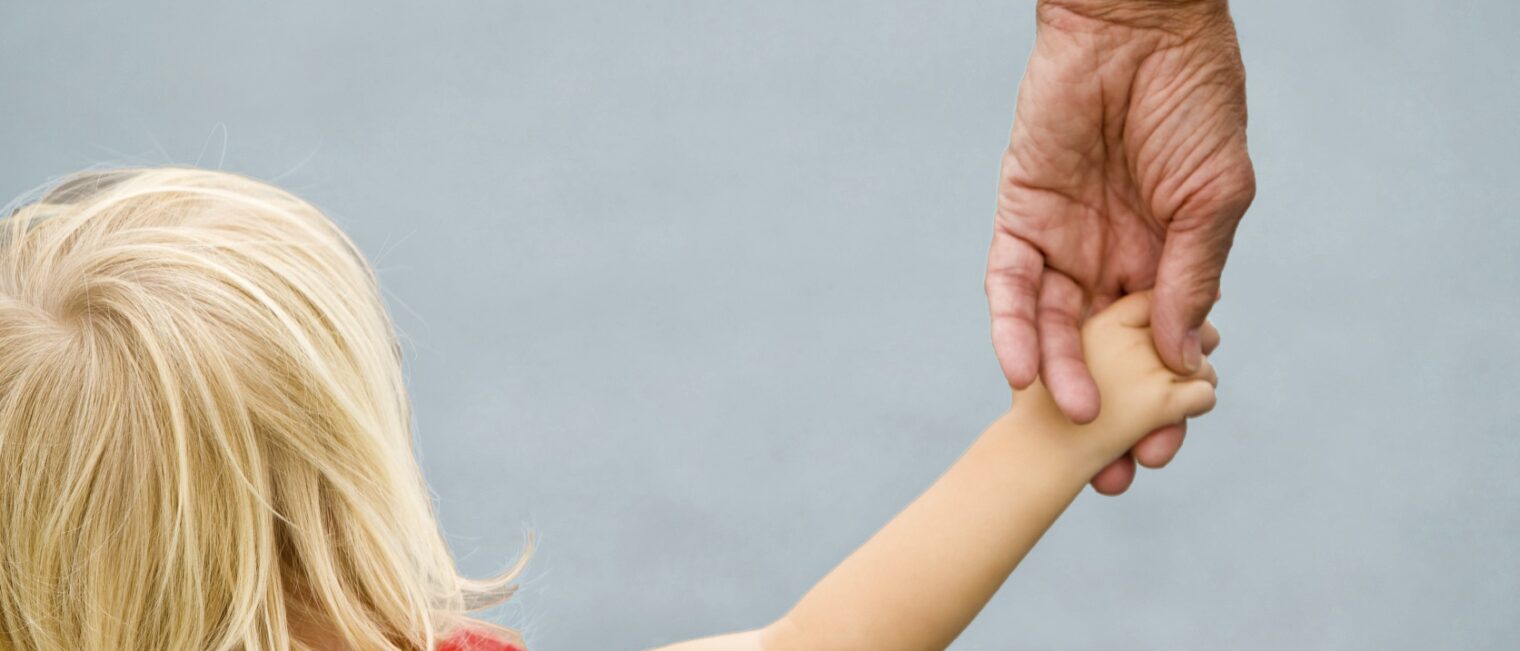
x=205 y=437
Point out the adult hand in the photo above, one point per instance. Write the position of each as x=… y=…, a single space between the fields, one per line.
x=1126 y=170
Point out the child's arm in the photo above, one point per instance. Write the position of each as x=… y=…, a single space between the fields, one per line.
x=919 y=581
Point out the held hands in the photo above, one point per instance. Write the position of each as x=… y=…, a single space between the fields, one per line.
x=1127 y=170
x=1139 y=392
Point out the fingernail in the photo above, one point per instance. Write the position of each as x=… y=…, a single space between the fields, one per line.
x=1192 y=350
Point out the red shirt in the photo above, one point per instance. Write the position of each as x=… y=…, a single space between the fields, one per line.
x=476 y=641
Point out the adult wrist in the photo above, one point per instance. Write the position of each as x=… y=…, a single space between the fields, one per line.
x=1182 y=17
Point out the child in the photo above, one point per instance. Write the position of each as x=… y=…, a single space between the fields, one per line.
x=206 y=445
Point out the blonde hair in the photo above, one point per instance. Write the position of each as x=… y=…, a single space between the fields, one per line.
x=205 y=434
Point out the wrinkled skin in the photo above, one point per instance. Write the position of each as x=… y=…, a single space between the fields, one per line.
x=1126 y=170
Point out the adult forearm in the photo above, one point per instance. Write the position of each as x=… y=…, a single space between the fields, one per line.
x=918 y=582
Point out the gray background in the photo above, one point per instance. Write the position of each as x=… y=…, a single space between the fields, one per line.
x=692 y=291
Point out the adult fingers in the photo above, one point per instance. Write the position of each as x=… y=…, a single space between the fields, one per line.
x=1210 y=338
x=1159 y=447
x=1116 y=477
x=1013 y=288
x=1101 y=302
x=1062 y=367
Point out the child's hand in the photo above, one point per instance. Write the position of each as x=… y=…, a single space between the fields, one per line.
x=1138 y=393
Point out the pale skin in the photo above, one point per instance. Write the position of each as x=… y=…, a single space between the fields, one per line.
x=921 y=579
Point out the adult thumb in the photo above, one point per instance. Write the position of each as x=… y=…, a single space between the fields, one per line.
x=1187 y=285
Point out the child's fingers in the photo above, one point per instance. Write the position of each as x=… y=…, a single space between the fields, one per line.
x=1194 y=397
x=1207 y=373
